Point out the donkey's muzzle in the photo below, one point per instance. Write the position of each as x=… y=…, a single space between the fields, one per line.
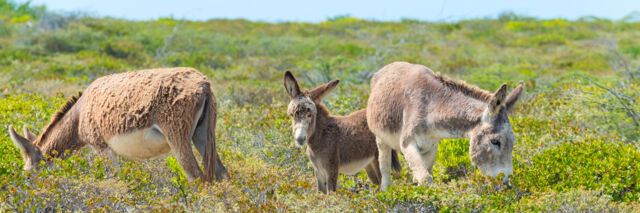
x=301 y=140
x=300 y=136
x=506 y=182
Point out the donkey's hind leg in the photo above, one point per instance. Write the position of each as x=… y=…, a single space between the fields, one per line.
x=373 y=171
x=178 y=137
x=384 y=162
x=221 y=171
x=200 y=142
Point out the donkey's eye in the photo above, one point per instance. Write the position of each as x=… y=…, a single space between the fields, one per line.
x=495 y=142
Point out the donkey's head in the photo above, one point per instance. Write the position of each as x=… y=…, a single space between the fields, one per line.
x=492 y=140
x=31 y=154
x=303 y=106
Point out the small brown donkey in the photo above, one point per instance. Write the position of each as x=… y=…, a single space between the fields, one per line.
x=411 y=108
x=335 y=144
x=137 y=115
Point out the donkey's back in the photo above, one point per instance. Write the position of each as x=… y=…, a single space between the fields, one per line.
x=124 y=102
x=393 y=87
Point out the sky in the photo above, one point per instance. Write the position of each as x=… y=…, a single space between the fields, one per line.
x=317 y=11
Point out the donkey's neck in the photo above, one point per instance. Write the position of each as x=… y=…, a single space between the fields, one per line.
x=458 y=114
x=61 y=135
x=324 y=123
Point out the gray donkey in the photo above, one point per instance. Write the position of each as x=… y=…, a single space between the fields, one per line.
x=335 y=144
x=411 y=109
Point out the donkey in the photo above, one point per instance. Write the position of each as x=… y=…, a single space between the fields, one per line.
x=335 y=144
x=411 y=108
x=137 y=115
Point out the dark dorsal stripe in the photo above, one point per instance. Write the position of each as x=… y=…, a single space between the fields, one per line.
x=60 y=113
x=464 y=88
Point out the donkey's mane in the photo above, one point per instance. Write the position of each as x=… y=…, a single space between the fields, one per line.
x=464 y=88
x=60 y=113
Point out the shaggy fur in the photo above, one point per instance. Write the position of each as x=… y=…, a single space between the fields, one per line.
x=411 y=109
x=172 y=106
x=335 y=144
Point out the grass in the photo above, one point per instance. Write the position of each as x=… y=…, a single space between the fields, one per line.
x=577 y=145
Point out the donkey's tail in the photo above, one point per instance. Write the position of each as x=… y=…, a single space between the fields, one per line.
x=395 y=162
x=211 y=159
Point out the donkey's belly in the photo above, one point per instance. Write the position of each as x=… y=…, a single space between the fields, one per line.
x=354 y=167
x=140 y=144
x=391 y=139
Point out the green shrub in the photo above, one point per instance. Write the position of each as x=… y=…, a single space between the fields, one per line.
x=593 y=165
x=459 y=64
x=582 y=61
x=571 y=200
x=198 y=60
x=52 y=42
x=452 y=161
x=19 y=12
x=122 y=49
x=5 y=31
x=540 y=40
x=7 y=56
x=630 y=47
x=447 y=28
x=539 y=26
x=57 y=42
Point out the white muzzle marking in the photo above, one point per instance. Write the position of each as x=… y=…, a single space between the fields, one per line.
x=300 y=136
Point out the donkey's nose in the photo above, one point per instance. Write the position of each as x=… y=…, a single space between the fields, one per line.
x=300 y=136
x=506 y=182
x=300 y=139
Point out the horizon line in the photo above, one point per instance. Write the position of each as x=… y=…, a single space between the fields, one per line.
x=632 y=17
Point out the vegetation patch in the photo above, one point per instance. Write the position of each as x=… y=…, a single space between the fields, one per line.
x=594 y=165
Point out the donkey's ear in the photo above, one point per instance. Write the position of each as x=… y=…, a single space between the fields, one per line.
x=291 y=85
x=26 y=147
x=27 y=134
x=514 y=96
x=497 y=101
x=320 y=92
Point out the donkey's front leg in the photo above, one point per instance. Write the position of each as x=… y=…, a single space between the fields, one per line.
x=332 y=182
x=421 y=155
x=321 y=177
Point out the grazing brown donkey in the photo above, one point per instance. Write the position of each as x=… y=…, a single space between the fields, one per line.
x=335 y=144
x=137 y=115
x=411 y=108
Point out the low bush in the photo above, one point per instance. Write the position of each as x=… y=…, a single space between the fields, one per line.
x=592 y=165
x=122 y=49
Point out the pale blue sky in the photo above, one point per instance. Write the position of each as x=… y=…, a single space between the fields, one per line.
x=315 y=11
